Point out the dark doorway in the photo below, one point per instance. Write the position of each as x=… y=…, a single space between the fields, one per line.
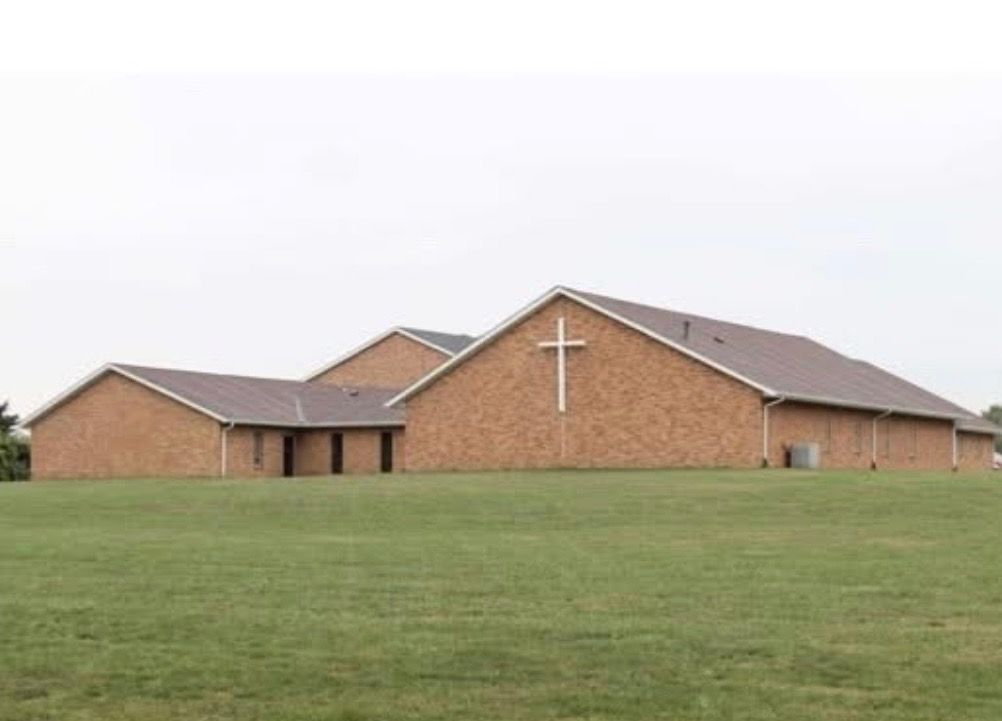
x=337 y=453
x=288 y=456
x=386 y=452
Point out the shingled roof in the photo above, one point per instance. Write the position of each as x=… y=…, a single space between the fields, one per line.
x=784 y=365
x=779 y=365
x=452 y=342
x=246 y=400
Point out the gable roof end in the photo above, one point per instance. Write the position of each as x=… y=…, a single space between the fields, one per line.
x=778 y=365
x=100 y=373
x=531 y=308
x=448 y=344
x=246 y=400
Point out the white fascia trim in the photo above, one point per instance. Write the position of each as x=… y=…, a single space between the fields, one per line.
x=112 y=368
x=535 y=305
x=982 y=431
x=896 y=410
x=317 y=426
x=369 y=344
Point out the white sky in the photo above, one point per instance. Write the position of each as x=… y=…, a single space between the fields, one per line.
x=263 y=190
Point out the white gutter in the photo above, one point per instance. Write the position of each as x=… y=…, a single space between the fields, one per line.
x=222 y=450
x=897 y=410
x=873 y=457
x=765 y=429
x=320 y=425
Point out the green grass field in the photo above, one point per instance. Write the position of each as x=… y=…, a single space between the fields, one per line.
x=590 y=595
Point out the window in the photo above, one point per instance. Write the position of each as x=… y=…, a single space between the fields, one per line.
x=258 y=450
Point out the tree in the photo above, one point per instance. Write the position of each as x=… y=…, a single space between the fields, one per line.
x=7 y=420
x=994 y=414
x=15 y=449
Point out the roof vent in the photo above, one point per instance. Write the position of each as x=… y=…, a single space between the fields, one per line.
x=718 y=339
x=686 y=326
x=351 y=391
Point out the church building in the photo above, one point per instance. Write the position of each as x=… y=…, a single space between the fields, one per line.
x=572 y=380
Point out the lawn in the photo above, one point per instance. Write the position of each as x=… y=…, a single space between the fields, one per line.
x=560 y=595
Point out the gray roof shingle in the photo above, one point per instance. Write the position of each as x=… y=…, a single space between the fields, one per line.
x=274 y=402
x=452 y=342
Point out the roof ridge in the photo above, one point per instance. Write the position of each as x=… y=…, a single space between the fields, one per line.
x=304 y=384
x=415 y=329
x=202 y=373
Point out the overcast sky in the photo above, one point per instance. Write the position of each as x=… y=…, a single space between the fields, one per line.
x=254 y=186
x=263 y=225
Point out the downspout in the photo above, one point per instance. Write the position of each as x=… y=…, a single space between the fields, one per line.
x=222 y=449
x=765 y=429
x=873 y=457
x=955 y=464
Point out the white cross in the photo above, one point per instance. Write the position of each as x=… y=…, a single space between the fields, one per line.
x=562 y=344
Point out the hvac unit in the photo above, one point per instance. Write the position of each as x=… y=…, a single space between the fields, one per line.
x=805 y=455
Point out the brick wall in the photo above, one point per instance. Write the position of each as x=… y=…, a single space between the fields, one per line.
x=362 y=450
x=240 y=452
x=632 y=402
x=117 y=428
x=975 y=451
x=846 y=437
x=395 y=362
x=313 y=451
